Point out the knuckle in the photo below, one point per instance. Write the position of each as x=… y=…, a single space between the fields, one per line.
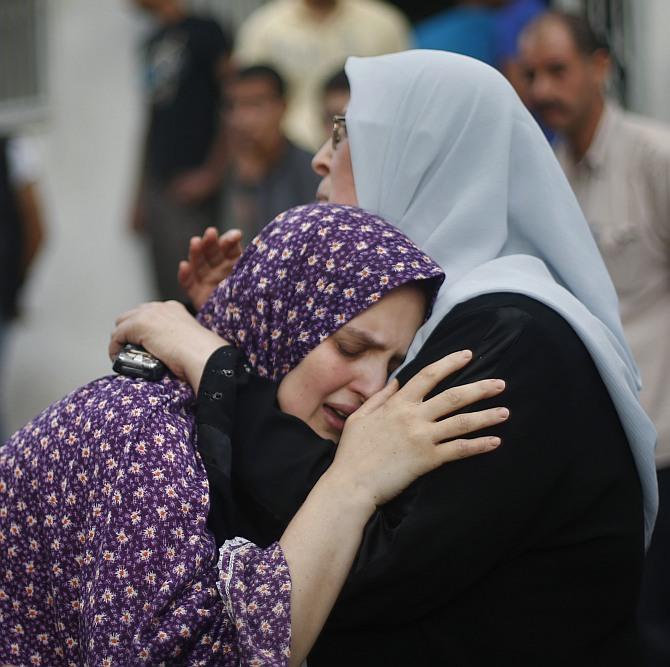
x=462 y=422
x=430 y=373
x=415 y=433
x=462 y=448
x=454 y=398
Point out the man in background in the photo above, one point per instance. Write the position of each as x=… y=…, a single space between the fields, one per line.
x=268 y=173
x=186 y=62
x=307 y=40
x=21 y=228
x=468 y=28
x=619 y=167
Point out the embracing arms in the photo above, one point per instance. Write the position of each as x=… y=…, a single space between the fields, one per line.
x=392 y=439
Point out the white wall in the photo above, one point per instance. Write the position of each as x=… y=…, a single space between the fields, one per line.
x=91 y=269
x=650 y=58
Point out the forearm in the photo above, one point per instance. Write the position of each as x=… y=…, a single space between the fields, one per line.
x=33 y=229
x=319 y=545
x=195 y=358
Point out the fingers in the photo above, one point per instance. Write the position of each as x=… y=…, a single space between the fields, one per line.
x=185 y=275
x=464 y=448
x=209 y=252
x=229 y=241
x=212 y=252
x=117 y=340
x=378 y=399
x=427 y=378
x=231 y=245
x=469 y=422
x=124 y=316
x=196 y=257
x=454 y=399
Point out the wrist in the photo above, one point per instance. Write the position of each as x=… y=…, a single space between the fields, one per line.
x=196 y=358
x=349 y=494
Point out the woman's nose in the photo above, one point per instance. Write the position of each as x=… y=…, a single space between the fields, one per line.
x=370 y=379
x=321 y=161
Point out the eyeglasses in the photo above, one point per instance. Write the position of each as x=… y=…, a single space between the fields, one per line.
x=339 y=129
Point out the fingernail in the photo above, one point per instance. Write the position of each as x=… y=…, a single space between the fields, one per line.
x=466 y=354
x=494 y=442
x=499 y=384
x=503 y=413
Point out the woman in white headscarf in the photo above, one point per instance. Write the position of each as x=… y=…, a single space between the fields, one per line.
x=531 y=556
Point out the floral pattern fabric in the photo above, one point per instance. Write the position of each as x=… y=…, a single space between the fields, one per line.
x=309 y=272
x=105 y=557
x=104 y=554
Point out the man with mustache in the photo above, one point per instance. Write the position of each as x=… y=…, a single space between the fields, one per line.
x=619 y=167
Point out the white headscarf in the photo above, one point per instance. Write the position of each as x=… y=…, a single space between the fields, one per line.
x=443 y=148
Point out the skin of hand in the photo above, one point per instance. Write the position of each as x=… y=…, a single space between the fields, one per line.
x=170 y=333
x=210 y=260
x=389 y=442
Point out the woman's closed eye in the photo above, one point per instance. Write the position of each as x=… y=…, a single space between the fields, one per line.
x=348 y=350
x=353 y=351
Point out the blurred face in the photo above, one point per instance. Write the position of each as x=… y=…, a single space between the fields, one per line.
x=564 y=85
x=149 y=5
x=341 y=373
x=337 y=175
x=255 y=111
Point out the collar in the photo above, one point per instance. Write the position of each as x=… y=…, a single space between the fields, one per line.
x=311 y=16
x=596 y=156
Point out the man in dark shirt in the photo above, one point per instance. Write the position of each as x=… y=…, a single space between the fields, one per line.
x=186 y=61
x=268 y=173
x=21 y=230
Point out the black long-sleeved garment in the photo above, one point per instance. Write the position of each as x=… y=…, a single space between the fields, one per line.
x=530 y=555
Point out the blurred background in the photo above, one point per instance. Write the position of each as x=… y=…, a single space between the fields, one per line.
x=71 y=86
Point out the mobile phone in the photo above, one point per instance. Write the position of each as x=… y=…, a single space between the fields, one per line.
x=134 y=361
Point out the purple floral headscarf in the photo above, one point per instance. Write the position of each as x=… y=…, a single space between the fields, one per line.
x=310 y=271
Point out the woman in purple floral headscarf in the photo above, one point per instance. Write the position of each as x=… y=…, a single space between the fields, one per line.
x=105 y=558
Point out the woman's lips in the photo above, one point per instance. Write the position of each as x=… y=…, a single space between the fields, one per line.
x=336 y=416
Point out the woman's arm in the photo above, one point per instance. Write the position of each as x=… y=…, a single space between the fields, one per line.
x=170 y=333
x=389 y=442
x=393 y=439
x=455 y=526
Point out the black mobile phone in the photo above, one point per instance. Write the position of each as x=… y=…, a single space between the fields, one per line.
x=136 y=362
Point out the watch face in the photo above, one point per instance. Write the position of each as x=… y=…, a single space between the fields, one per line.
x=139 y=357
x=134 y=361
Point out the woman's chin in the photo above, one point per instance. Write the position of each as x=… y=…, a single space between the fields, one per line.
x=326 y=430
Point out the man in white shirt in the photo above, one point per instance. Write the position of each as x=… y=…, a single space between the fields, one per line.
x=308 y=40
x=619 y=167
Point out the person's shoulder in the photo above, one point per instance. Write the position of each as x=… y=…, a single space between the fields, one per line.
x=263 y=24
x=649 y=136
x=518 y=311
x=202 y=24
x=266 y=15
x=512 y=323
x=382 y=14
